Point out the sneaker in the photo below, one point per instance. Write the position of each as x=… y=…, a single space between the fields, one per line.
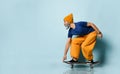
x=72 y=61
x=91 y=61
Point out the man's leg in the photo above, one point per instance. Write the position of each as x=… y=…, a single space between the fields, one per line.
x=75 y=47
x=88 y=45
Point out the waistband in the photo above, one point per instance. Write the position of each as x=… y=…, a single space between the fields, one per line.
x=75 y=36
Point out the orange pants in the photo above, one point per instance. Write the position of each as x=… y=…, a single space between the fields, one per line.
x=85 y=43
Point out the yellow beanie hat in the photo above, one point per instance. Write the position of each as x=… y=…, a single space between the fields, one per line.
x=69 y=18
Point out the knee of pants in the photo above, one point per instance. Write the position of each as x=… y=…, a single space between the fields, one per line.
x=83 y=46
x=75 y=42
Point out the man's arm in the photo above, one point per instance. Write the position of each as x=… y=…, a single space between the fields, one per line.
x=99 y=33
x=66 y=48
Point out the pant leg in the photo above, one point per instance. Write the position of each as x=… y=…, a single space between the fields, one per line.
x=75 y=47
x=88 y=45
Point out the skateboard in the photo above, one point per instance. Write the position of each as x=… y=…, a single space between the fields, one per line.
x=82 y=63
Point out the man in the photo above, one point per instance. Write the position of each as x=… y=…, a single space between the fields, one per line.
x=81 y=36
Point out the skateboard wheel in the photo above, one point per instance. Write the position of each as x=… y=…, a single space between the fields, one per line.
x=71 y=65
x=91 y=66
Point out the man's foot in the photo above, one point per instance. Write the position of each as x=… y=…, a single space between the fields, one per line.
x=73 y=61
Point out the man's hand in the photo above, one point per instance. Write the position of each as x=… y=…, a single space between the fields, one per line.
x=64 y=57
x=100 y=35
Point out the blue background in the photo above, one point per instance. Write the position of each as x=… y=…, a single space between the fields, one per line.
x=32 y=35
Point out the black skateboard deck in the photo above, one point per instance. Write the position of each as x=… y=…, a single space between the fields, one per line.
x=82 y=63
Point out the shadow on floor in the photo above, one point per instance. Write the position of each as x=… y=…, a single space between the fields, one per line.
x=79 y=71
x=101 y=51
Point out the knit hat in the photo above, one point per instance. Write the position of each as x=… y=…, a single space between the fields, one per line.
x=69 y=18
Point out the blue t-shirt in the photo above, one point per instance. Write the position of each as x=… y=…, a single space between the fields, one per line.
x=81 y=29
